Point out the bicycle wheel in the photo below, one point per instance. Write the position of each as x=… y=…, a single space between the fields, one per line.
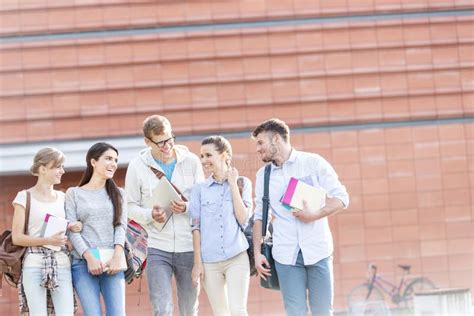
x=415 y=286
x=363 y=294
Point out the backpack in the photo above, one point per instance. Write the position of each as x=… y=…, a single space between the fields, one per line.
x=11 y=256
x=135 y=251
x=248 y=232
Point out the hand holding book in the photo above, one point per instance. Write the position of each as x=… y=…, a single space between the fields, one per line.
x=299 y=191
x=56 y=241
x=307 y=215
x=75 y=227
x=163 y=202
x=159 y=214
x=54 y=230
x=178 y=206
x=304 y=200
x=112 y=262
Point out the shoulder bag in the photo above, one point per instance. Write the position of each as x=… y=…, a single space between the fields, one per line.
x=11 y=255
x=271 y=281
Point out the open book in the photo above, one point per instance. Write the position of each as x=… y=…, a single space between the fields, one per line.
x=53 y=225
x=297 y=191
x=162 y=196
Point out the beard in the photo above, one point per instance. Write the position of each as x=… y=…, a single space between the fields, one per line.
x=271 y=154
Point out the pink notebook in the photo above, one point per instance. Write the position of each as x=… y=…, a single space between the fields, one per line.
x=297 y=191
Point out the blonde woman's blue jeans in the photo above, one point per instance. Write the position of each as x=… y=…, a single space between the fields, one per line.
x=62 y=296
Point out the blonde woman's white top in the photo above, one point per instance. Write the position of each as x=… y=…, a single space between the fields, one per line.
x=38 y=211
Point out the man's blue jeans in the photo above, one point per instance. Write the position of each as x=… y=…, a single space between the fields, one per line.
x=161 y=266
x=89 y=287
x=316 y=278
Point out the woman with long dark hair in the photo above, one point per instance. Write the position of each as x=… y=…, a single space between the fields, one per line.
x=101 y=207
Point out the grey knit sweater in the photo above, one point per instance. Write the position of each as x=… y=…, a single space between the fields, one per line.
x=94 y=210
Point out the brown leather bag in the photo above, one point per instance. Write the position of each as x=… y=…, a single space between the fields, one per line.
x=11 y=256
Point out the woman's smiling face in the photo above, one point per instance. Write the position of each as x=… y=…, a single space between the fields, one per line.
x=107 y=164
x=212 y=161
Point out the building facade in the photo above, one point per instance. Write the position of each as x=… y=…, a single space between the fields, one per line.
x=383 y=89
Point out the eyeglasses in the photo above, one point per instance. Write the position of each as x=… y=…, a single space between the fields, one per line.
x=162 y=143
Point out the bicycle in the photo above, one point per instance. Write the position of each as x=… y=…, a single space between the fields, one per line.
x=401 y=294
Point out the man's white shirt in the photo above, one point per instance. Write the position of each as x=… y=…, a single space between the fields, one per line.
x=289 y=233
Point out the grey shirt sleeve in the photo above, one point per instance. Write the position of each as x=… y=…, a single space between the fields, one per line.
x=71 y=215
x=120 y=231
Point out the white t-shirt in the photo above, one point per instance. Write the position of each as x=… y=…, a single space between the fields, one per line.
x=38 y=211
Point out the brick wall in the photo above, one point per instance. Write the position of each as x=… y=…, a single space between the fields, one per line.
x=410 y=184
x=232 y=78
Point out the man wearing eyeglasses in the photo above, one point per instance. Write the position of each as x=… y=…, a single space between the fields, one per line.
x=170 y=248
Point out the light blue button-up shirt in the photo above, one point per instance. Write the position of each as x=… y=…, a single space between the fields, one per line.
x=290 y=234
x=211 y=211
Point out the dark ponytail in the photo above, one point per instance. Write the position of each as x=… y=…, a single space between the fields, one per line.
x=95 y=152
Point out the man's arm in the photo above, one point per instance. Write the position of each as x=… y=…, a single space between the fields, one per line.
x=261 y=263
x=132 y=187
x=337 y=198
x=333 y=206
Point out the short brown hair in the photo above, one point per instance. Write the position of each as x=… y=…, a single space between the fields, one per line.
x=44 y=157
x=155 y=125
x=273 y=125
x=221 y=144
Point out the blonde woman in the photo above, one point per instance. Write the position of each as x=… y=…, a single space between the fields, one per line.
x=44 y=269
x=218 y=214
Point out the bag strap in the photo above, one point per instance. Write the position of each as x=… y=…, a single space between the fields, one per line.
x=240 y=185
x=27 y=212
x=160 y=175
x=265 y=198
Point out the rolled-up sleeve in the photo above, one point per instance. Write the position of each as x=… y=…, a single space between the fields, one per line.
x=71 y=215
x=195 y=207
x=247 y=198
x=120 y=231
x=329 y=180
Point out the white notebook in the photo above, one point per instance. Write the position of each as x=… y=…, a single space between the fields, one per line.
x=53 y=225
x=162 y=196
x=106 y=254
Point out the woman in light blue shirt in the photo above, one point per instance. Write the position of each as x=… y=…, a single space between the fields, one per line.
x=219 y=212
